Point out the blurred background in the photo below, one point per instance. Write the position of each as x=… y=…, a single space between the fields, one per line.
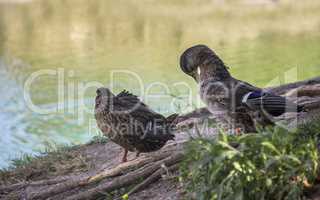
x=260 y=40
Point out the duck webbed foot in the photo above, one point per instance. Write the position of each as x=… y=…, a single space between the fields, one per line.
x=137 y=154
x=124 y=158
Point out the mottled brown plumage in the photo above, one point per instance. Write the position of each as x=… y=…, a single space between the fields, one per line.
x=130 y=123
x=241 y=101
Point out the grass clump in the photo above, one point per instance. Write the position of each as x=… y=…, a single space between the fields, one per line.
x=54 y=160
x=98 y=140
x=273 y=164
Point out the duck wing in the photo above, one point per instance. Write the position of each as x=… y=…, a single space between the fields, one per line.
x=150 y=130
x=130 y=104
x=274 y=105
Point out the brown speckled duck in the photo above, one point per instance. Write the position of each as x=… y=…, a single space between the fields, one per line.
x=130 y=123
x=220 y=91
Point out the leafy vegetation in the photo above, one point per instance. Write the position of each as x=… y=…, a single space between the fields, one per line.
x=273 y=164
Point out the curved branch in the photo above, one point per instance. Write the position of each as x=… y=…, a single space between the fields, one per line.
x=127 y=179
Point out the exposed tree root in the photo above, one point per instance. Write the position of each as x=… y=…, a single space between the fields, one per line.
x=6 y=189
x=124 y=167
x=154 y=177
x=282 y=89
x=151 y=170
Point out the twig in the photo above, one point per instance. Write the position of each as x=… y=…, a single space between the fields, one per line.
x=126 y=180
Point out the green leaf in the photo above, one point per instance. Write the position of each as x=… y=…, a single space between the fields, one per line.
x=237 y=166
x=125 y=197
x=270 y=146
x=260 y=167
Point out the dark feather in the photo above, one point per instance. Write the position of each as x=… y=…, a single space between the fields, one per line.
x=133 y=125
x=272 y=104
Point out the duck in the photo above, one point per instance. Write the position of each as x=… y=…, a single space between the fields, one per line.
x=237 y=99
x=130 y=123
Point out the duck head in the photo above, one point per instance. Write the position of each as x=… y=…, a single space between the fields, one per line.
x=103 y=98
x=200 y=62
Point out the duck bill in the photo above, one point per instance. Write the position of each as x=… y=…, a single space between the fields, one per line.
x=196 y=74
x=98 y=101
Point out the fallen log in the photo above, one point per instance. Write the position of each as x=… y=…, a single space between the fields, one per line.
x=130 y=178
x=282 y=89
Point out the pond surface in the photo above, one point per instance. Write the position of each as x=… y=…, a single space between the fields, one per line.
x=54 y=53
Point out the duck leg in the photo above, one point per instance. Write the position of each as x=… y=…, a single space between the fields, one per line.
x=137 y=154
x=124 y=158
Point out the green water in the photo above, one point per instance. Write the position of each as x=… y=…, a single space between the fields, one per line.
x=82 y=43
